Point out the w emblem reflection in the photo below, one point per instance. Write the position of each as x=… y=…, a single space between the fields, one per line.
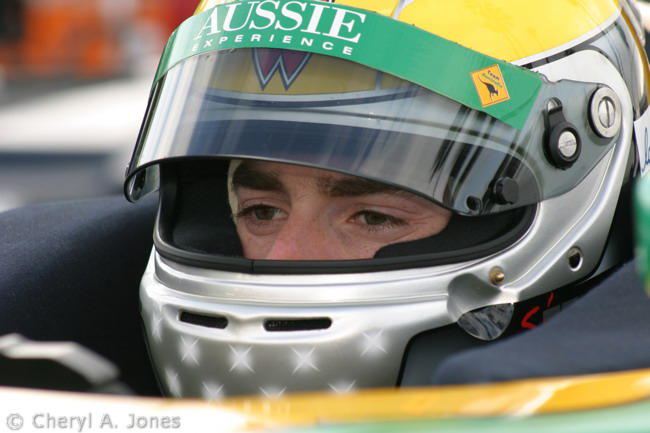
x=289 y=64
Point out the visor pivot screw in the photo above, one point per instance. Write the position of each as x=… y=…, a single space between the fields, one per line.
x=474 y=204
x=497 y=276
x=506 y=191
x=567 y=144
x=605 y=114
x=562 y=139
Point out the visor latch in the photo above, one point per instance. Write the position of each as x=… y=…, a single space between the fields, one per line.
x=562 y=139
x=506 y=191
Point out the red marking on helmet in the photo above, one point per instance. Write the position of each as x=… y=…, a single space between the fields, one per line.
x=524 y=321
x=550 y=299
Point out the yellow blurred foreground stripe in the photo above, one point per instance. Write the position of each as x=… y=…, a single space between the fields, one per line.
x=518 y=399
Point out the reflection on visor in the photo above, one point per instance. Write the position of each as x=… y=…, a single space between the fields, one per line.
x=390 y=131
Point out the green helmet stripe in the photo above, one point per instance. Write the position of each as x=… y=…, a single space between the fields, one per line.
x=364 y=37
x=642 y=208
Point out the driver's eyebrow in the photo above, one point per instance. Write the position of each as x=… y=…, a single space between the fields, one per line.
x=349 y=186
x=250 y=177
x=246 y=176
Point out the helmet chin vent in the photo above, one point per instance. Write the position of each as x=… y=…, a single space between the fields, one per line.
x=218 y=322
x=279 y=325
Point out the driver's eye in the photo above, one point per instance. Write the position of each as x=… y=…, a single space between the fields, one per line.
x=265 y=212
x=374 y=219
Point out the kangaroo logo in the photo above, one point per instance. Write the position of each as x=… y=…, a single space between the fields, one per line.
x=490 y=85
x=493 y=91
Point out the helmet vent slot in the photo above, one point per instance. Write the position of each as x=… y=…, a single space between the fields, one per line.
x=218 y=322
x=315 y=324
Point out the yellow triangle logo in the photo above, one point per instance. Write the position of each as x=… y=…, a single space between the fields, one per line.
x=490 y=85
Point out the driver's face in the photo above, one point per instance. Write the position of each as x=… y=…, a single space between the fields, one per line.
x=288 y=212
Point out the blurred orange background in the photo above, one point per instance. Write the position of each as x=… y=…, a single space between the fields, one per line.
x=74 y=80
x=83 y=38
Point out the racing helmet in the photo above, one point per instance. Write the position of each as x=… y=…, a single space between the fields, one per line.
x=528 y=129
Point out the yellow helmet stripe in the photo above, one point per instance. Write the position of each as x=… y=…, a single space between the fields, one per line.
x=515 y=29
